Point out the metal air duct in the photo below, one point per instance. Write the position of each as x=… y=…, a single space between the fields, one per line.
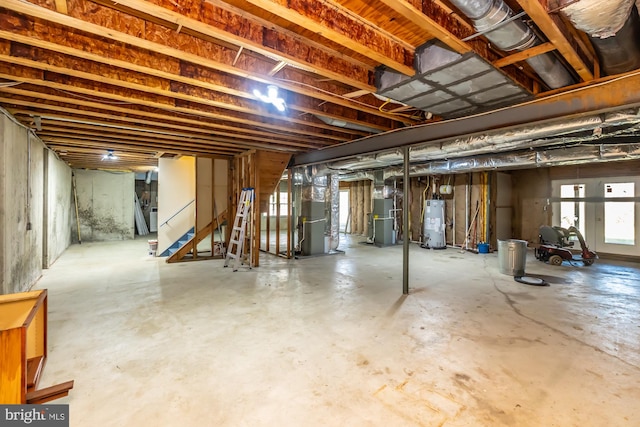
x=580 y=154
x=614 y=29
x=491 y=18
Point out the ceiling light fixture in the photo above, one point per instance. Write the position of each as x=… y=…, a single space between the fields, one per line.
x=109 y=156
x=271 y=98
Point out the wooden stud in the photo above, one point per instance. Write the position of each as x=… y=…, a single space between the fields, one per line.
x=524 y=55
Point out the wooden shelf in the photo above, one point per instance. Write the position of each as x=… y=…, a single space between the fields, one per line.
x=23 y=340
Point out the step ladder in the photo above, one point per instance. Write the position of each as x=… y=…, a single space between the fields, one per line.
x=239 y=231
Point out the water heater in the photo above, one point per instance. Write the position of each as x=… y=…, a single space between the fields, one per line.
x=433 y=236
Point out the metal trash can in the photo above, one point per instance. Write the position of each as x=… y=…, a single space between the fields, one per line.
x=512 y=257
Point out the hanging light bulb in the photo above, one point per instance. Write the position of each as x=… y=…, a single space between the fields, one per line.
x=271 y=98
x=272 y=92
x=109 y=156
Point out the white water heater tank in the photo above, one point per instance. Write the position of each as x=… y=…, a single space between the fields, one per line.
x=433 y=235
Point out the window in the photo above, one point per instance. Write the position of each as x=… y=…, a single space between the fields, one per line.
x=572 y=212
x=619 y=213
x=283 y=204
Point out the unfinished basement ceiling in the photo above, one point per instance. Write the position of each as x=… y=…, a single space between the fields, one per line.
x=152 y=79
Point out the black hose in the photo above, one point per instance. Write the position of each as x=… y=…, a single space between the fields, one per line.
x=533 y=281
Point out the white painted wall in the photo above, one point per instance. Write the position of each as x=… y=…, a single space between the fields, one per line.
x=21 y=206
x=176 y=190
x=105 y=205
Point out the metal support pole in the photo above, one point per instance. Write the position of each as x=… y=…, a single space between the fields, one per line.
x=405 y=220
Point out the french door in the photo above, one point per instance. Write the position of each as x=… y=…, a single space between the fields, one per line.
x=605 y=210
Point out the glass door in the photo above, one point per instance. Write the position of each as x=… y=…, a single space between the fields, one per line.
x=616 y=218
x=606 y=211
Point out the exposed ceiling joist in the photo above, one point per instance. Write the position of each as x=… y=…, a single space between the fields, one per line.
x=187 y=78
x=408 y=11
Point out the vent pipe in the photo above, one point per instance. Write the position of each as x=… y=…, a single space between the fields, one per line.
x=614 y=29
x=491 y=18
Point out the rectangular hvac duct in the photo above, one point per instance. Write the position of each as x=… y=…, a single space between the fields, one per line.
x=449 y=84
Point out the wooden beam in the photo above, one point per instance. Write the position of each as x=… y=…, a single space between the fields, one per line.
x=416 y=16
x=102 y=77
x=143 y=134
x=210 y=80
x=86 y=26
x=168 y=145
x=525 y=54
x=79 y=145
x=149 y=101
x=543 y=20
x=243 y=135
x=340 y=27
x=74 y=140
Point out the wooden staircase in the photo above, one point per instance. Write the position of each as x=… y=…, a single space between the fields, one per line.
x=181 y=254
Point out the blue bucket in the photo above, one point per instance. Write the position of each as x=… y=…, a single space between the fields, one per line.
x=483 y=248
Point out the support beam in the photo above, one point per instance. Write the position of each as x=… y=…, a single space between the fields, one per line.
x=405 y=224
x=608 y=94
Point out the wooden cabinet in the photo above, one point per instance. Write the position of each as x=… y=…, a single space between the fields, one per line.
x=23 y=349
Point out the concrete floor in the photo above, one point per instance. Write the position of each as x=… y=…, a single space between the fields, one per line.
x=330 y=341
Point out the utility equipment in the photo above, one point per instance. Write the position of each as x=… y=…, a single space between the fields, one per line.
x=556 y=243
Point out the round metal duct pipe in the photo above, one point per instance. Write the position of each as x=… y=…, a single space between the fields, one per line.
x=490 y=18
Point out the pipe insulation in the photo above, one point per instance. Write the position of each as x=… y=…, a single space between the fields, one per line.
x=525 y=137
x=614 y=29
x=544 y=158
x=491 y=18
x=599 y=18
x=334 y=228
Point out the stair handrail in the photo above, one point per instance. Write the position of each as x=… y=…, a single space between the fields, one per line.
x=176 y=214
